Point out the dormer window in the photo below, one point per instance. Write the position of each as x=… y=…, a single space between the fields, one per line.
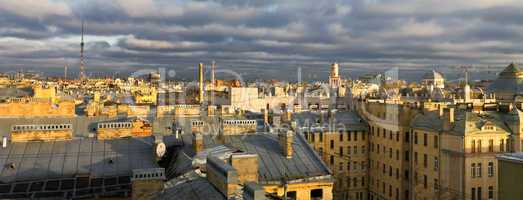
x=489 y=128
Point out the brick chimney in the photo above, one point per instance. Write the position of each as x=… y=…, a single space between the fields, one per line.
x=197 y=142
x=285 y=138
x=222 y=176
x=246 y=166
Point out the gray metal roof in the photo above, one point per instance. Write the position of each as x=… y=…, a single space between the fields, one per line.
x=60 y=159
x=273 y=165
x=512 y=157
x=196 y=189
x=428 y=120
x=350 y=120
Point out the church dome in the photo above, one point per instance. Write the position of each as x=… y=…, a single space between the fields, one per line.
x=433 y=75
x=509 y=82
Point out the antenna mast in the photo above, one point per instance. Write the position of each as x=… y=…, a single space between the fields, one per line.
x=82 y=64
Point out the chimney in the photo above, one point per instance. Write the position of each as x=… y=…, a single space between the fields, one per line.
x=254 y=191
x=285 y=138
x=197 y=142
x=4 y=142
x=246 y=166
x=222 y=176
x=451 y=115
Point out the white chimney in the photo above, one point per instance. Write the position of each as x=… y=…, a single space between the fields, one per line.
x=4 y=142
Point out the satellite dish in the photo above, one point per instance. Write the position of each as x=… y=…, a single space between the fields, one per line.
x=160 y=149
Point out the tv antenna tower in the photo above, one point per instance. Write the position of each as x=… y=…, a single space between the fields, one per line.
x=82 y=64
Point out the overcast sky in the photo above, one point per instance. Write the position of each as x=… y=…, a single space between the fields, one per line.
x=263 y=38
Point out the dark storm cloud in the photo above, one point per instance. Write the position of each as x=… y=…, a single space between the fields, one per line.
x=257 y=36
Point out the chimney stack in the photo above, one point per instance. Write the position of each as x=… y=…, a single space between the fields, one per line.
x=254 y=191
x=246 y=166
x=285 y=138
x=197 y=142
x=451 y=115
x=222 y=176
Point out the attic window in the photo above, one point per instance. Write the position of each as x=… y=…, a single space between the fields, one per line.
x=489 y=128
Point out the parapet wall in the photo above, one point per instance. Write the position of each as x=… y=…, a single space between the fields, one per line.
x=41 y=132
x=30 y=107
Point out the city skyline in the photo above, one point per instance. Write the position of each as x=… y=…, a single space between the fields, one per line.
x=260 y=37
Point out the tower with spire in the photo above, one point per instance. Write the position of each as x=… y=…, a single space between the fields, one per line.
x=82 y=64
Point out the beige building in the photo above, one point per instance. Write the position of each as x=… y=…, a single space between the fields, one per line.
x=418 y=152
x=341 y=139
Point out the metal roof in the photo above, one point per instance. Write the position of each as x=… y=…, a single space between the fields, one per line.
x=60 y=159
x=273 y=165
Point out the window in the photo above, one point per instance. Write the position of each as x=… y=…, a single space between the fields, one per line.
x=473 y=146
x=473 y=193
x=425 y=160
x=407 y=137
x=355 y=135
x=349 y=150
x=491 y=146
x=348 y=135
x=291 y=195
x=436 y=185
x=490 y=169
x=390 y=152
x=473 y=170
x=436 y=163
x=397 y=136
x=332 y=144
x=362 y=149
x=407 y=155
x=478 y=173
x=341 y=136
x=436 y=142
x=355 y=149
x=425 y=181
x=416 y=158
x=415 y=137
x=340 y=167
x=397 y=154
x=502 y=145
x=341 y=151
x=479 y=193
x=332 y=160
x=425 y=142
x=316 y=194
x=479 y=146
x=490 y=193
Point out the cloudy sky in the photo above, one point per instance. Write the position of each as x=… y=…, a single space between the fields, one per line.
x=263 y=38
